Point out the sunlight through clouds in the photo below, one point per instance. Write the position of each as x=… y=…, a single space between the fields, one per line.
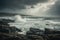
x=38 y=9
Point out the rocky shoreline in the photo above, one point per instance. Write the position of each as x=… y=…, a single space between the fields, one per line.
x=9 y=33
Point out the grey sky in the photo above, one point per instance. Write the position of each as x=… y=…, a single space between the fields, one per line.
x=31 y=7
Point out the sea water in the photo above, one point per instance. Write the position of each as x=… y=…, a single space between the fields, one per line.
x=26 y=23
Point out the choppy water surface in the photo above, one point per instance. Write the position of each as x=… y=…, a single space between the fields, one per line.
x=25 y=23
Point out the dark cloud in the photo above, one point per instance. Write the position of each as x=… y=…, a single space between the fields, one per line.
x=20 y=4
x=13 y=5
x=31 y=2
x=55 y=10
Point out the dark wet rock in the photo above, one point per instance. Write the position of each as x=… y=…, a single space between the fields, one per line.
x=48 y=34
x=35 y=34
x=51 y=31
x=6 y=28
x=35 y=31
x=9 y=33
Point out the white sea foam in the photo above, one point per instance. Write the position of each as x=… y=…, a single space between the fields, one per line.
x=18 y=18
x=26 y=23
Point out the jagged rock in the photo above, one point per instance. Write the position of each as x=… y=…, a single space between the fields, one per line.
x=35 y=31
x=51 y=31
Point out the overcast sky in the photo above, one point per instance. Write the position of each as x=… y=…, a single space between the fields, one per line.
x=31 y=7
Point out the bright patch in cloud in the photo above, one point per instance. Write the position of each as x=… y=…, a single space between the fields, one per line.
x=38 y=9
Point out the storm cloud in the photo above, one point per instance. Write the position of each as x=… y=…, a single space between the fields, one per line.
x=31 y=7
x=20 y=4
x=55 y=10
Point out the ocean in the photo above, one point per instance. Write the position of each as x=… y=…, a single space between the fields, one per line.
x=26 y=23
